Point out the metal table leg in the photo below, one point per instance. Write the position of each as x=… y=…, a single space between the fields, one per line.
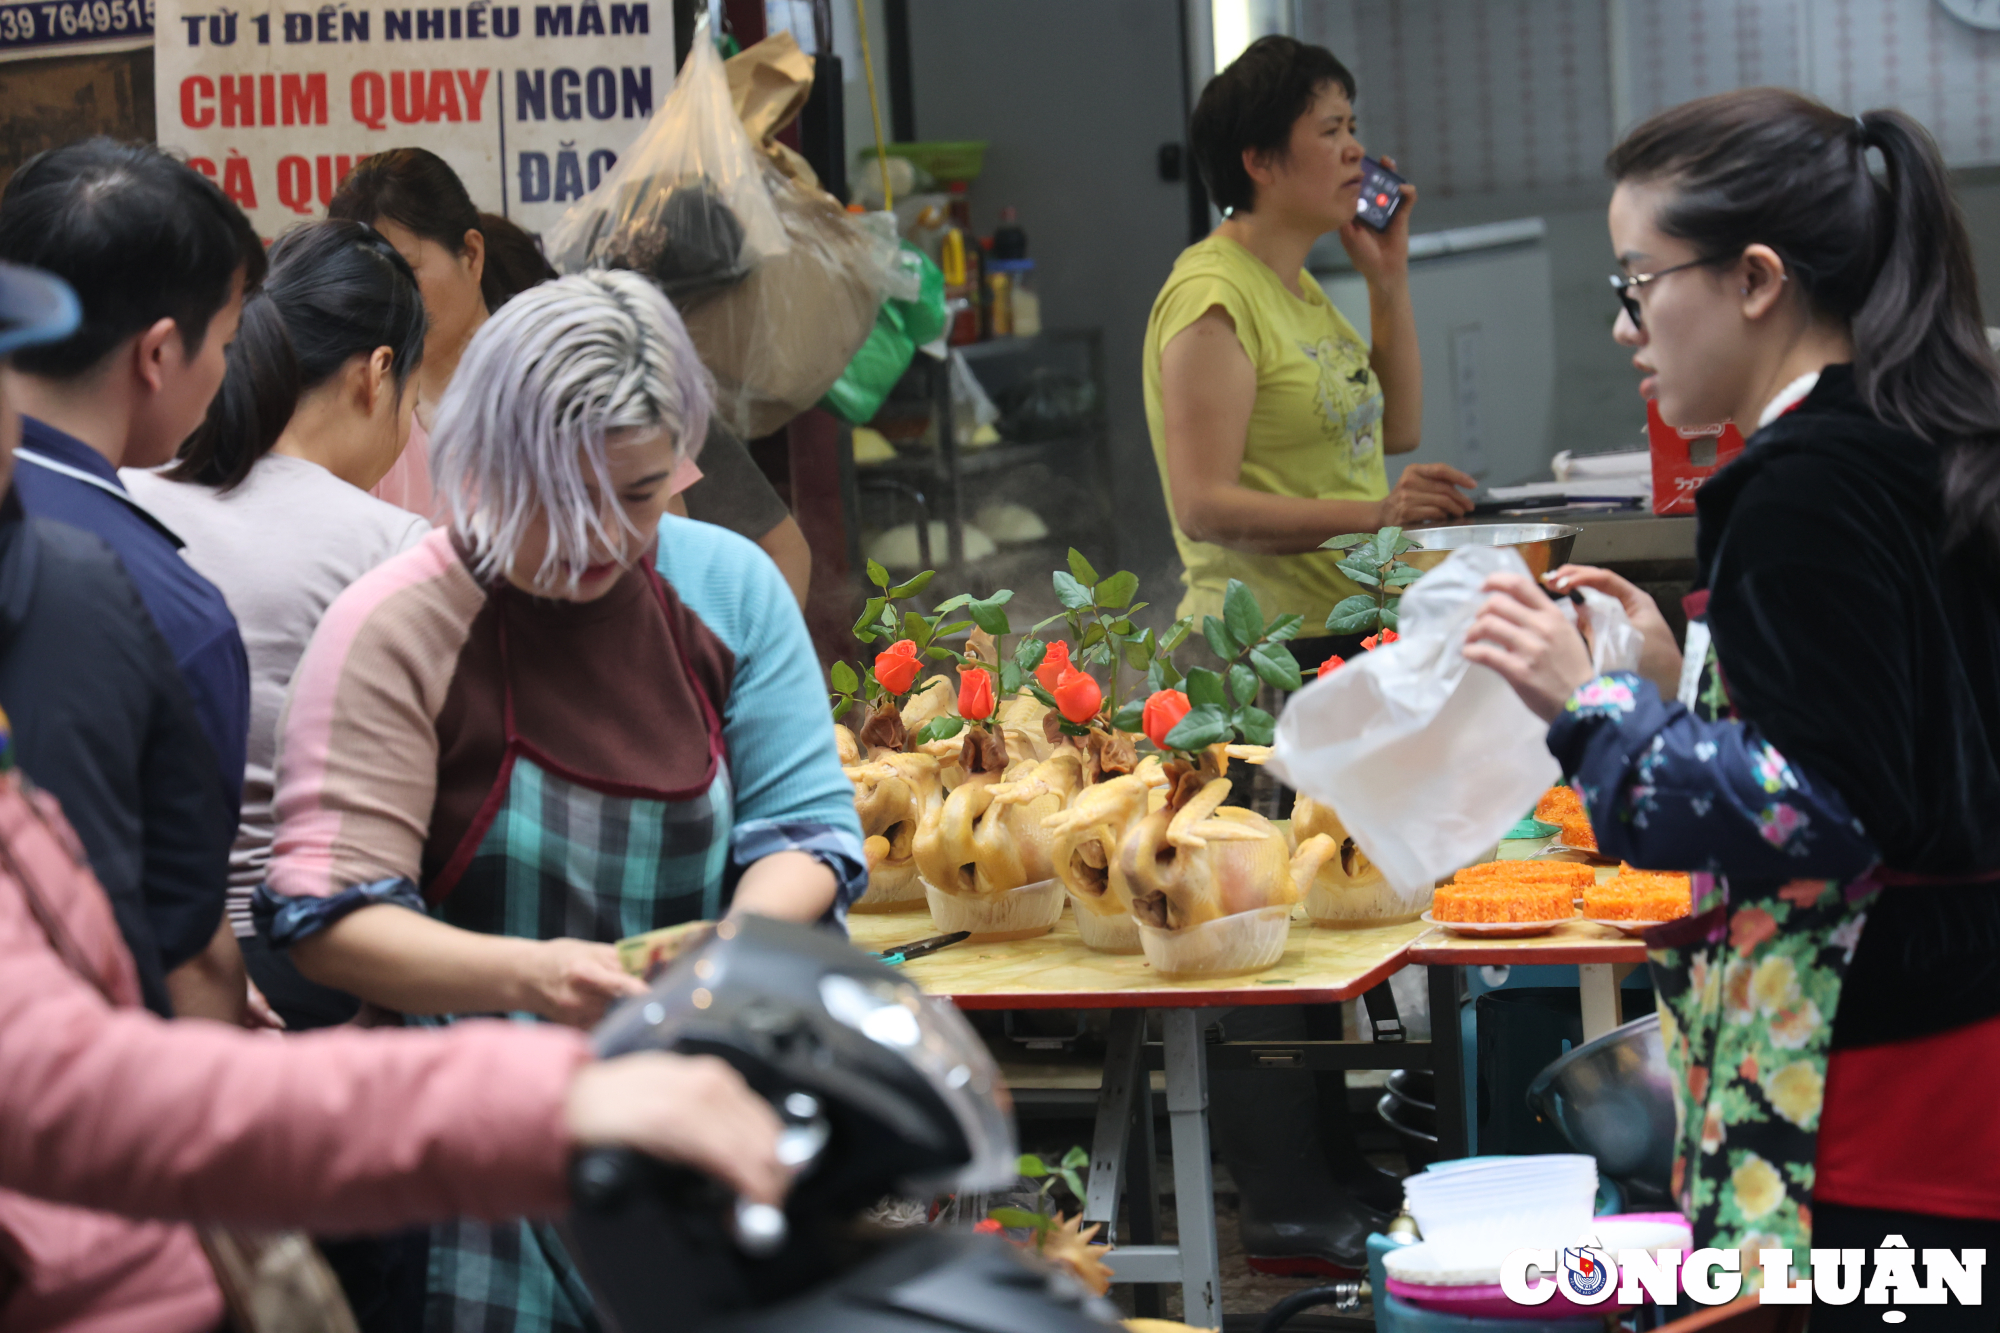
x=1447 y=1060
x=1602 y=1007
x=1194 y=1176
x=1123 y=1075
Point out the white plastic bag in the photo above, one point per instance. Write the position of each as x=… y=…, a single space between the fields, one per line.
x=1426 y=758
x=688 y=204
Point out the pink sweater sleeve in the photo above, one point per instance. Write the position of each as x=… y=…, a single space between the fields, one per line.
x=344 y=1130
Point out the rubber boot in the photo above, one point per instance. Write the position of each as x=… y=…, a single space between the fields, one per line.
x=1296 y=1217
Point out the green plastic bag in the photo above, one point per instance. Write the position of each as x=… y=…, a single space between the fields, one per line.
x=901 y=327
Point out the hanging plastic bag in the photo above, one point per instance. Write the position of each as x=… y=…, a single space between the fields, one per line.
x=689 y=204
x=901 y=327
x=1426 y=758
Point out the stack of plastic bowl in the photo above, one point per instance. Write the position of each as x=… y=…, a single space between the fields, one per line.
x=1476 y=1211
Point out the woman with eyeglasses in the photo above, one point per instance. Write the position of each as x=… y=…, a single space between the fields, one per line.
x=1825 y=755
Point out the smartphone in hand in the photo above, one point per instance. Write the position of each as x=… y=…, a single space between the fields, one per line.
x=1381 y=195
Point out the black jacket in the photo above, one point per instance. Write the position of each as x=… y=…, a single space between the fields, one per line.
x=1871 y=656
x=103 y=723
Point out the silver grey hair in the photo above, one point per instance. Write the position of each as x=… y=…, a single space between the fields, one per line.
x=543 y=385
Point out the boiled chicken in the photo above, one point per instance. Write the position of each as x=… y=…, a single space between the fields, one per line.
x=1089 y=831
x=893 y=795
x=1341 y=884
x=1196 y=860
x=988 y=837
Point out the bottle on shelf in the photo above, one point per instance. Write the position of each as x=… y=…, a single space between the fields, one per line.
x=1009 y=241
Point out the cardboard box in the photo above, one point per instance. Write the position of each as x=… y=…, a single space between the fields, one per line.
x=1685 y=457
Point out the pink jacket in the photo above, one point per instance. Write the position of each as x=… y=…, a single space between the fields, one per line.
x=105 y=1107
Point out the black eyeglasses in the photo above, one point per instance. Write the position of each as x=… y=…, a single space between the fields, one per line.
x=1628 y=284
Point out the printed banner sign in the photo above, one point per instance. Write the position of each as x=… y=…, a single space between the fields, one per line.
x=530 y=103
x=34 y=28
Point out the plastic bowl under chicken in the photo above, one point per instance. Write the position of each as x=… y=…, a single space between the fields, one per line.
x=905 y=897
x=1017 y=914
x=1225 y=947
x=1104 y=926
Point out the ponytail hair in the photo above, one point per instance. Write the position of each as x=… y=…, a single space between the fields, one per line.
x=336 y=290
x=1886 y=256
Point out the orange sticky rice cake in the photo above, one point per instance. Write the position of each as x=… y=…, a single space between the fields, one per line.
x=1639 y=895
x=1500 y=898
x=1563 y=807
x=1528 y=872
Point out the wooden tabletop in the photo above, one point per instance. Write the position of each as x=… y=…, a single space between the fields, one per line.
x=1056 y=971
x=1576 y=941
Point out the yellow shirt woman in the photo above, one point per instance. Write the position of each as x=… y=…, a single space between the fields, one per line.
x=1315 y=430
x=1269 y=415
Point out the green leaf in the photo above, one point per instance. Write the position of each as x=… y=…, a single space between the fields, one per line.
x=1070 y=593
x=941 y=728
x=1137 y=655
x=1407 y=544
x=1390 y=617
x=990 y=616
x=1131 y=717
x=946 y=631
x=1017 y=1217
x=1042 y=696
x=916 y=629
x=1241 y=613
x=1284 y=628
x=1360 y=570
x=1081 y=567
x=1385 y=544
x=1156 y=678
x=844 y=678
x=1242 y=683
x=1031 y=1166
x=1356 y=611
x=1276 y=667
x=1170 y=675
x=1076 y=1158
x=1118 y=590
x=1136 y=608
x=878 y=575
x=1098 y=654
x=1204 y=725
x=1205 y=687
x=1402 y=575
x=1030 y=652
x=1177 y=634
x=840 y=708
x=1359 y=622
x=1010 y=678
x=868 y=615
x=937 y=654
x=915 y=585
x=1095 y=634
x=952 y=603
x=1073 y=1180
x=1259 y=727
x=1346 y=540
x=1223 y=644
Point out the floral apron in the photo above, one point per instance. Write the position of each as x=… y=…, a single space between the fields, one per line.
x=552 y=854
x=1748 y=987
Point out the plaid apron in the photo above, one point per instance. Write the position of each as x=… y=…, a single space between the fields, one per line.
x=557 y=854
x=1748 y=987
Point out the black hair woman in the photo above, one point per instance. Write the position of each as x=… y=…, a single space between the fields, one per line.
x=270 y=497
x=1832 y=768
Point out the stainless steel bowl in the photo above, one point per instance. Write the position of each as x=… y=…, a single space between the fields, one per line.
x=1545 y=546
x=1614 y=1099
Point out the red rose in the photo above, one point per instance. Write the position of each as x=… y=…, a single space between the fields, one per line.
x=1054 y=663
x=1374 y=641
x=975 y=694
x=896 y=670
x=1331 y=665
x=1077 y=696
x=1163 y=712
